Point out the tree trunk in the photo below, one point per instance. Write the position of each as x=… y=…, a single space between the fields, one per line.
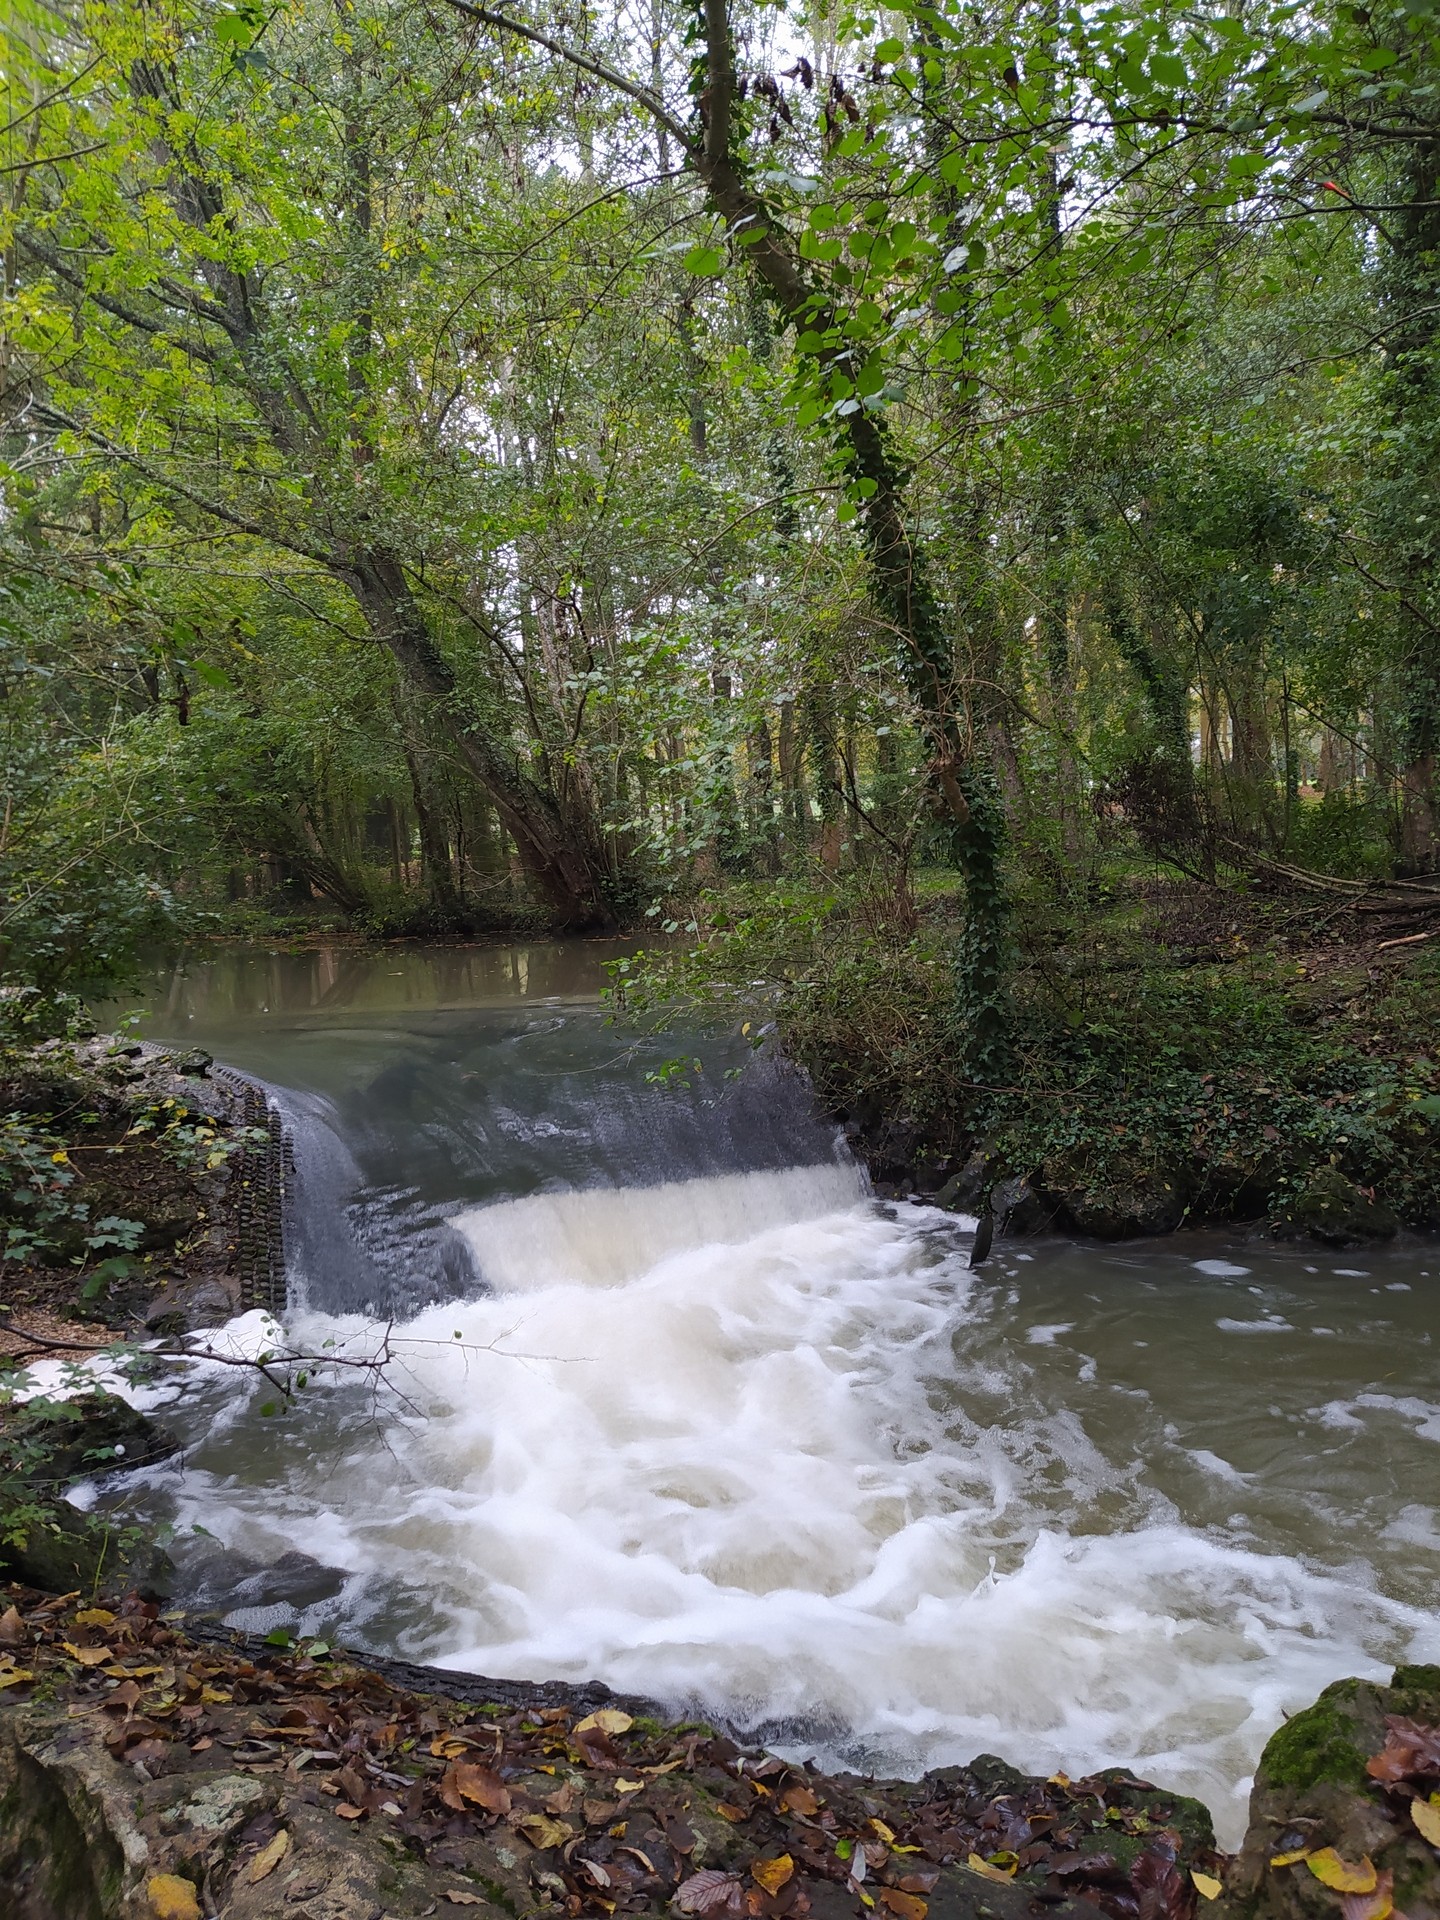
x=570 y=875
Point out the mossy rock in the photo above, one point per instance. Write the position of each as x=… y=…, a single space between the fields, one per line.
x=1312 y=1791
x=1118 y=1201
x=1330 y=1208
x=45 y=1448
x=1317 y=1745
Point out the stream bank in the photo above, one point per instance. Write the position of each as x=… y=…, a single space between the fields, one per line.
x=1181 y=1055
x=140 y=1198
x=148 y=1775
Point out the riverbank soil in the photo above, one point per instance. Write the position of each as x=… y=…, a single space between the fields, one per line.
x=1179 y=1053
x=145 y=1772
x=122 y=1183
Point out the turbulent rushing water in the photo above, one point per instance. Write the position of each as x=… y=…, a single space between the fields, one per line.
x=720 y=1429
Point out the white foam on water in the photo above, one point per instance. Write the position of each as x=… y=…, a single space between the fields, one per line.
x=605 y=1236
x=705 y=1442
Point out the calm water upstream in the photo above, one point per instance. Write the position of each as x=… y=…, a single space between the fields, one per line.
x=720 y=1429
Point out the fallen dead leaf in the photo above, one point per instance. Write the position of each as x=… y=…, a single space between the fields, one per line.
x=606 y=1720
x=799 y=1799
x=459 y=1897
x=1426 y=1815
x=732 y=1814
x=1410 y=1748
x=94 y=1617
x=629 y=1786
x=541 y=1831
x=15 y=1676
x=172 y=1898
x=1378 y=1904
x=87 y=1656
x=772 y=1874
x=481 y=1786
x=268 y=1858
x=712 y=1894
x=987 y=1871
x=12 y=1628
x=1205 y=1884
x=1340 y=1875
x=347 y=1812
x=908 y=1906
x=1291 y=1859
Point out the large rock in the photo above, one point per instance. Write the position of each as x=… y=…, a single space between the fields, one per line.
x=1313 y=1792
x=1330 y=1208
x=1114 y=1202
x=45 y=1448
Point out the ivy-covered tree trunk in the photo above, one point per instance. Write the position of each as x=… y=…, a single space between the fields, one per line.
x=970 y=819
x=1413 y=391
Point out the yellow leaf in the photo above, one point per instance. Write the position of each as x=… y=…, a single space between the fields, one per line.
x=130 y=1673
x=607 y=1720
x=1205 y=1884
x=885 y=1833
x=1426 y=1815
x=15 y=1676
x=172 y=1898
x=541 y=1831
x=628 y=1786
x=1290 y=1859
x=772 y=1874
x=215 y=1696
x=1331 y=1871
x=1004 y=1875
x=905 y=1906
x=446 y=1747
x=94 y=1617
x=269 y=1857
x=87 y=1656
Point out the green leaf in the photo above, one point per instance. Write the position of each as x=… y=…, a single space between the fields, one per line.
x=1169 y=70
x=889 y=51
x=706 y=261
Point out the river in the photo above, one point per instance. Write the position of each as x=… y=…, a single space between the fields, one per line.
x=677 y=1405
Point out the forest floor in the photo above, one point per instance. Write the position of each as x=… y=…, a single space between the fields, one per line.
x=258 y=1779
x=147 y=1769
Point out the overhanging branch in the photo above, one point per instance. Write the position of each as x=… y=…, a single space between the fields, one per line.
x=642 y=96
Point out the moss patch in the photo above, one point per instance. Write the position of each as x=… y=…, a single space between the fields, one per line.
x=1316 y=1745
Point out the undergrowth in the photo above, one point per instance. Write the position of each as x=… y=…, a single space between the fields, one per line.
x=1201 y=1037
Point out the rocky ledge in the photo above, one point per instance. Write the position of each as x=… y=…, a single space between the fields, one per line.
x=146 y=1774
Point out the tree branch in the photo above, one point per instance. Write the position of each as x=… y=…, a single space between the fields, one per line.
x=642 y=96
